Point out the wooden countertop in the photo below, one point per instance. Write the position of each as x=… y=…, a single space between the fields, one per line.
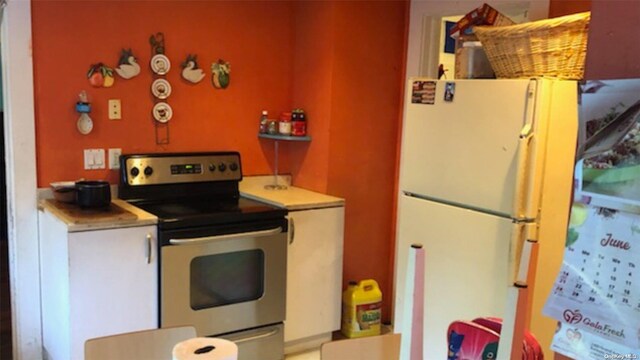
x=119 y=214
x=292 y=198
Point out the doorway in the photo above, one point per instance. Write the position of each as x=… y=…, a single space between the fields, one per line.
x=432 y=39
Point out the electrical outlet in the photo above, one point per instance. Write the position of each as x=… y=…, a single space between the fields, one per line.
x=114 y=158
x=115 y=110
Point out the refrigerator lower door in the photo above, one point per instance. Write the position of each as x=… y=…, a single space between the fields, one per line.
x=466 y=267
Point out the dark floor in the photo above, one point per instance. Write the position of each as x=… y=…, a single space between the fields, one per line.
x=5 y=304
x=5 y=301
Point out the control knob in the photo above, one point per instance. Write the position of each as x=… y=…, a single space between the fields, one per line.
x=233 y=166
x=148 y=170
x=212 y=167
x=222 y=167
x=134 y=171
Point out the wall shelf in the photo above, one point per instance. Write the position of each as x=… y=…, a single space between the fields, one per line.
x=285 y=137
x=278 y=138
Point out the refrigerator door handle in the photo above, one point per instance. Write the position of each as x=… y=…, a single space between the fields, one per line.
x=527 y=131
x=517 y=298
x=522 y=199
x=522 y=190
x=523 y=234
x=518 y=234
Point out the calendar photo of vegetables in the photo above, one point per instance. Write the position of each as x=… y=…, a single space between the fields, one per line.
x=612 y=109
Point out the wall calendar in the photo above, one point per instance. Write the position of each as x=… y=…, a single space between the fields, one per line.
x=598 y=288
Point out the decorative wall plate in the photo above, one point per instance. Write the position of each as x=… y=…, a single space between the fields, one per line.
x=161 y=89
x=160 y=64
x=162 y=112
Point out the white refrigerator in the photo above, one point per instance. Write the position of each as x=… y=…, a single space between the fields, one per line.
x=485 y=165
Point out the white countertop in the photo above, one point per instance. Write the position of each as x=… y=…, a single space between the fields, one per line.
x=291 y=198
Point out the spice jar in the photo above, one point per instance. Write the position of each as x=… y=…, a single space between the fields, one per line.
x=284 y=127
x=298 y=123
x=264 y=122
x=272 y=127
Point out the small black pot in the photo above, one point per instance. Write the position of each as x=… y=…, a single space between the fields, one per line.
x=93 y=194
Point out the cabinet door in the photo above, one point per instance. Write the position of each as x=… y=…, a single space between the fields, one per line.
x=314 y=272
x=113 y=284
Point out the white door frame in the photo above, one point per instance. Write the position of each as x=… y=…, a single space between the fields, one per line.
x=20 y=147
x=420 y=51
x=430 y=49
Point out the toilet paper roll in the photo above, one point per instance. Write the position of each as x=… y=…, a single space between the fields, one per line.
x=205 y=349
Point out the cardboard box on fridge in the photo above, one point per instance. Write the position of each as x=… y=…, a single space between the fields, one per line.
x=483 y=15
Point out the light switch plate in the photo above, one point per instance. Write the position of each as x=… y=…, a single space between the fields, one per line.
x=114 y=158
x=115 y=109
x=88 y=159
x=94 y=159
x=98 y=159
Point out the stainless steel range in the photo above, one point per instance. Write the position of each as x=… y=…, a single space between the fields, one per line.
x=223 y=258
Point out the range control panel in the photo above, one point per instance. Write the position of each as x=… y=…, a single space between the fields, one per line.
x=180 y=168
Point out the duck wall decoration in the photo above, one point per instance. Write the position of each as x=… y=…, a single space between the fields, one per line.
x=220 y=74
x=190 y=70
x=127 y=65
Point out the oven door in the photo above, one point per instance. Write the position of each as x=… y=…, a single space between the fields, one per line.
x=221 y=283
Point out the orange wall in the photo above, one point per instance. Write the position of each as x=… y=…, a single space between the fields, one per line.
x=613 y=49
x=354 y=56
x=614 y=41
x=254 y=36
x=614 y=45
x=342 y=61
x=567 y=7
x=367 y=88
x=313 y=76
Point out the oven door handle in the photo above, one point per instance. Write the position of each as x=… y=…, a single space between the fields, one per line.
x=206 y=239
x=292 y=228
x=261 y=335
x=149 y=249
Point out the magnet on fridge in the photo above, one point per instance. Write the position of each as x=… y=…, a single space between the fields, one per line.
x=449 y=91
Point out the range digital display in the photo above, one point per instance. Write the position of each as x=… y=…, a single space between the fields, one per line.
x=186 y=169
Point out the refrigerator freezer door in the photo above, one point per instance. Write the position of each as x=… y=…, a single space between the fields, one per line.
x=466 y=262
x=466 y=151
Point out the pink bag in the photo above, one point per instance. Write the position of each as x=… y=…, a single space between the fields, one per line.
x=478 y=340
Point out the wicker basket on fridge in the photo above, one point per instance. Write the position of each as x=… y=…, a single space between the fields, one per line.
x=553 y=47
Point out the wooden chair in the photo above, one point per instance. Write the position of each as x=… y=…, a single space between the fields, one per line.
x=156 y=344
x=383 y=347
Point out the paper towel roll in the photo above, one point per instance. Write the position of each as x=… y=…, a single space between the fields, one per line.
x=205 y=349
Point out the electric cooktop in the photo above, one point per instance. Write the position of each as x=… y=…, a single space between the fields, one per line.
x=190 y=189
x=210 y=212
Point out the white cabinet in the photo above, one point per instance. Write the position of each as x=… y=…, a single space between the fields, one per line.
x=314 y=260
x=95 y=283
x=314 y=277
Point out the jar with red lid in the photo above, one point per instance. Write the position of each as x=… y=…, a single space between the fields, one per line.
x=285 y=124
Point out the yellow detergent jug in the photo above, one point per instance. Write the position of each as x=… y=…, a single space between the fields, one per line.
x=361 y=309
